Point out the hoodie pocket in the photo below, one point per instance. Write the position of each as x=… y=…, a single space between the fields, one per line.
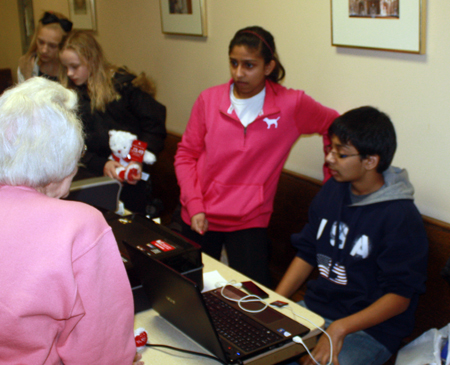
x=233 y=202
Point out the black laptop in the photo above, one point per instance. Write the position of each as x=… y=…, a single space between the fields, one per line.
x=217 y=324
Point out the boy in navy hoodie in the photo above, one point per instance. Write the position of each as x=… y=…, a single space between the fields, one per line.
x=368 y=241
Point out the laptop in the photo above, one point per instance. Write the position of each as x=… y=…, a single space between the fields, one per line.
x=180 y=301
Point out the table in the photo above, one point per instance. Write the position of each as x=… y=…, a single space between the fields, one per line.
x=162 y=332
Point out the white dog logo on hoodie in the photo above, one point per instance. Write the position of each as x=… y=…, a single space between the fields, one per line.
x=271 y=122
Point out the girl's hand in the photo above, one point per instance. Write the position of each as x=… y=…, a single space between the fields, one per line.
x=134 y=179
x=110 y=170
x=199 y=223
x=26 y=65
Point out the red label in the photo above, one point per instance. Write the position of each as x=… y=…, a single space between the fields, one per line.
x=163 y=246
x=137 y=150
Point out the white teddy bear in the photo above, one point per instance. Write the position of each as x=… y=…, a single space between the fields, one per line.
x=128 y=151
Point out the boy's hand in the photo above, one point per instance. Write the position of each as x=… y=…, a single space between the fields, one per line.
x=322 y=350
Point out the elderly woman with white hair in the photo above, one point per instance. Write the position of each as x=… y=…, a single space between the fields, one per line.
x=65 y=296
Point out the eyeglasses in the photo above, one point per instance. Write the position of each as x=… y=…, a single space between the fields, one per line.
x=83 y=151
x=329 y=149
x=50 y=18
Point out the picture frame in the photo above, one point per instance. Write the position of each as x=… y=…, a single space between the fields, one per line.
x=389 y=25
x=82 y=14
x=26 y=21
x=183 y=17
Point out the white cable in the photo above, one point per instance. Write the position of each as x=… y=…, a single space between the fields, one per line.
x=247 y=299
x=296 y=339
x=322 y=330
x=234 y=283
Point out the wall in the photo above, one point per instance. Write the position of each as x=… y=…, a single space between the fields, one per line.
x=412 y=89
x=10 y=41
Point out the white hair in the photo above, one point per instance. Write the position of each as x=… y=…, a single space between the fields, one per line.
x=41 y=137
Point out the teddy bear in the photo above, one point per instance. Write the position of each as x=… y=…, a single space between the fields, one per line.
x=129 y=152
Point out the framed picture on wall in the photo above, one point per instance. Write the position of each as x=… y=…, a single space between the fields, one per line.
x=186 y=17
x=26 y=19
x=391 y=25
x=82 y=14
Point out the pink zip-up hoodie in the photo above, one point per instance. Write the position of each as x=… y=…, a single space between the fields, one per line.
x=230 y=172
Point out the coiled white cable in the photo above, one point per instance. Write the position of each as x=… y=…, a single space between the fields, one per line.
x=254 y=298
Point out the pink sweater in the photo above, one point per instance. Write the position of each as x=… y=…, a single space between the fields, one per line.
x=230 y=172
x=65 y=297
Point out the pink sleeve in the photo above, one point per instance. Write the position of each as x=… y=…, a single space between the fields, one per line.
x=101 y=329
x=326 y=169
x=189 y=151
x=313 y=117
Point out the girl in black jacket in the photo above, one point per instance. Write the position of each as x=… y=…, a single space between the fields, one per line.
x=111 y=98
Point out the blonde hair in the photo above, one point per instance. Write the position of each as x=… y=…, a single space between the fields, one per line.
x=100 y=85
x=41 y=137
x=33 y=44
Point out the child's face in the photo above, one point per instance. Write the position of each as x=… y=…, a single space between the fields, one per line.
x=248 y=71
x=76 y=66
x=47 y=41
x=345 y=162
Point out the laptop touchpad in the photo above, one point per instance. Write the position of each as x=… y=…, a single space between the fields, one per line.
x=268 y=316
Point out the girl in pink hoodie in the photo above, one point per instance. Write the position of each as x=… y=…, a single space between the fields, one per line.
x=233 y=150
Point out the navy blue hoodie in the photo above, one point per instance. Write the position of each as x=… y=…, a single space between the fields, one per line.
x=364 y=248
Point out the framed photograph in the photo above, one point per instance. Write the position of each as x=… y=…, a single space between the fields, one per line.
x=391 y=25
x=82 y=14
x=186 y=17
x=26 y=17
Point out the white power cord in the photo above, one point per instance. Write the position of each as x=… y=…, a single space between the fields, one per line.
x=254 y=298
x=247 y=299
x=298 y=339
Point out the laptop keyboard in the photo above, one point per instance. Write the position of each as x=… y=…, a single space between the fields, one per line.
x=236 y=327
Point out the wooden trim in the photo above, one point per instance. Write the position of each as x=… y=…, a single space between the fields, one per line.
x=436 y=222
x=174 y=134
x=308 y=179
